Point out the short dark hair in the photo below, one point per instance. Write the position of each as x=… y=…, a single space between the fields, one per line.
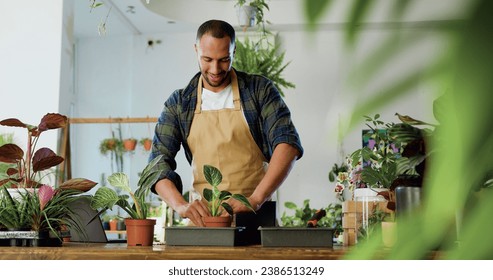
x=217 y=29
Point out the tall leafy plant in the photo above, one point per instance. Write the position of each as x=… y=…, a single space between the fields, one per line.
x=268 y=61
x=260 y=56
x=134 y=203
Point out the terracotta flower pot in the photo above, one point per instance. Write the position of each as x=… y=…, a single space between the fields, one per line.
x=223 y=221
x=113 y=224
x=129 y=144
x=147 y=144
x=140 y=232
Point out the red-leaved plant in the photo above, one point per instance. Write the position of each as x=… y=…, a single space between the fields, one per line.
x=38 y=206
x=28 y=165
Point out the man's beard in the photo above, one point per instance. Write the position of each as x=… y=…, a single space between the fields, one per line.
x=224 y=77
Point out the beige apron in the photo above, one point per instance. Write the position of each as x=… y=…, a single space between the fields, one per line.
x=222 y=138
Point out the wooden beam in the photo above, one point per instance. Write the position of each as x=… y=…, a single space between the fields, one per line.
x=111 y=120
x=66 y=167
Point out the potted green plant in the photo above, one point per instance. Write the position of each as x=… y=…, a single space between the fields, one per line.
x=306 y=227
x=106 y=198
x=146 y=143
x=394 y=161
x=114 y=147
x=216 y=199
x=262 y=58
x=129 y=144
x=28 y=201
x=251 y=12
x=108 y=145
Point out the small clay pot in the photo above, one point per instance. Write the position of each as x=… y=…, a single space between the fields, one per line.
x=222 y=221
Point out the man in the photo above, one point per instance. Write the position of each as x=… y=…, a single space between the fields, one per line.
x=231 y=120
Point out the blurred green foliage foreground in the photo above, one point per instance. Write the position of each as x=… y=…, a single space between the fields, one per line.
x=455 y=219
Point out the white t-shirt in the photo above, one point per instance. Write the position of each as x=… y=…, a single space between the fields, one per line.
x=217 y=100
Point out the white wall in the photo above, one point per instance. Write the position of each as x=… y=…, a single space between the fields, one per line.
x=31 y=35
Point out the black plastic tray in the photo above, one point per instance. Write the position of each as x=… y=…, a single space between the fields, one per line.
x=202 y=236
x=296 y=237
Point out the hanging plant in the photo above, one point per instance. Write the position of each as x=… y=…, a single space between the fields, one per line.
x=146 y=143
x=114 y=147
x=257 y=8
x=268 y=61
x=129 y=144
x=108 y=145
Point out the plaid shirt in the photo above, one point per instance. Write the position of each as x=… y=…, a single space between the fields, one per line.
x=266 y=113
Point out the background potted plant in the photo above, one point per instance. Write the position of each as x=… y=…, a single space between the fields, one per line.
x=29 y=203
x=393 y=160
x=306 y=227
x=301 y=216
x=251 y=12
x=138 y=211
x=129 y=144
x=216 y=199
x=109 y=144
x=146 y=143
x=262 y=58
x=339 y=174
x=114 y=147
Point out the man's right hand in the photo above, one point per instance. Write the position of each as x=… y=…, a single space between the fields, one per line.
x=194 y=211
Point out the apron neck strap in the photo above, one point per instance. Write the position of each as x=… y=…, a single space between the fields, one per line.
x=235 y=88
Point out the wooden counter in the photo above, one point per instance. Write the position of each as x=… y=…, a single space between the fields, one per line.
x=110 y=251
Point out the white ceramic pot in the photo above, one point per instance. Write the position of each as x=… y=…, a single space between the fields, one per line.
x=246 y=16
x=368 y=192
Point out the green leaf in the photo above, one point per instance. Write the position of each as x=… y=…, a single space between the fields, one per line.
x=149 y=173
x=145 y=188
x=120 y=180
x=290 y=205
x=104 y=198
x=212 y=175
x=314 y=10
x=243 y=201
x=207 y=194
x=223 y=195
x=356 y=17
x=227 y=208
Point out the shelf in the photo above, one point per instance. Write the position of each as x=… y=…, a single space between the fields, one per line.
x=115 y=231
